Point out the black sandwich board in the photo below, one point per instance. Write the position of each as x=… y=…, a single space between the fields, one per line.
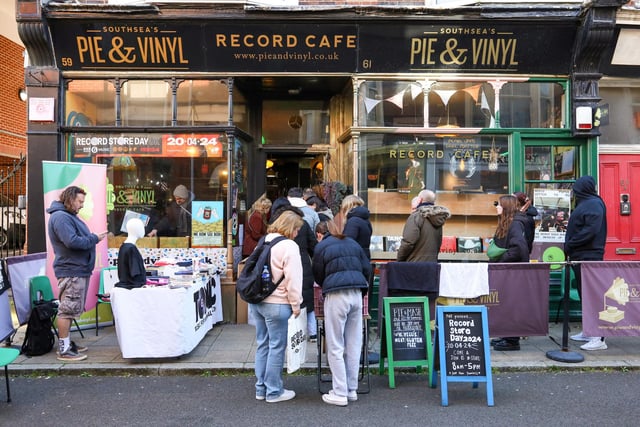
x=463 y=342
x=408 y=334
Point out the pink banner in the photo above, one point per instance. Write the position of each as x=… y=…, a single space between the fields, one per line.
x=611 y=298
x=518 y=300
x=93 y=179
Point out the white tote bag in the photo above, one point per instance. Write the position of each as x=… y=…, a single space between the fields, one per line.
x=297 y=341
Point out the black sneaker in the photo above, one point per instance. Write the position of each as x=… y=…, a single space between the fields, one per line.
x=78 y=348
x=505 y=345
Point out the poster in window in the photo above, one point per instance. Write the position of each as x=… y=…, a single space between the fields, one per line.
x=207 y=227
x=462 y=154
x=554 y=207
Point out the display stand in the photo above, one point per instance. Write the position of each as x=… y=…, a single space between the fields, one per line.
x=408 y=335
x=463 y=341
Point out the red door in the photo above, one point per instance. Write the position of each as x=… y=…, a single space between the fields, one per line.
x=620 y=181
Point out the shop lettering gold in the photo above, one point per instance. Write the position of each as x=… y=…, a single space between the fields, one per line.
x=90 y=46
x=151 y=50
x=285 y=40
x=489 y=52
x=494 y=51
x=161 y=50
x=418 y=154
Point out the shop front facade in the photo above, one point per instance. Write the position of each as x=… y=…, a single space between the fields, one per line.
x=234 y=101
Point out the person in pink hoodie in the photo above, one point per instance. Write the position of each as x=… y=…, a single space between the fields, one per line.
x=271 y=316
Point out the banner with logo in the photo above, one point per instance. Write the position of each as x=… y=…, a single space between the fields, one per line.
x=518 y=300
x=19 y=270
x=610 y=298
x=93 y=179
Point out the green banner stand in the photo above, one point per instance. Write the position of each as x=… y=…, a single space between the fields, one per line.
x=463 y=341
x=408 y=335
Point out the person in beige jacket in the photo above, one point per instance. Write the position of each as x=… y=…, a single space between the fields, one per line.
x=422 y=234
x=272 y=314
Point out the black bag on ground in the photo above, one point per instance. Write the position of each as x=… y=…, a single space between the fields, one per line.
x=39 y=339
x=250 y=285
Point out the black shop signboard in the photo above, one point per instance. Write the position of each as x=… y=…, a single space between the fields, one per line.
x=463 y=343
x=408 y=334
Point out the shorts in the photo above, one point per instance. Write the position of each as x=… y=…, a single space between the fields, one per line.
x=72 y=293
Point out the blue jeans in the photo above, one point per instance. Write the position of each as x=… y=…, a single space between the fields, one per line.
x=271 y=336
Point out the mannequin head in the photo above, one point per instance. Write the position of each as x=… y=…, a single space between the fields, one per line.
x=135 y=229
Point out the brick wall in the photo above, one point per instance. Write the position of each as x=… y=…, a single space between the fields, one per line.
x=13 y=111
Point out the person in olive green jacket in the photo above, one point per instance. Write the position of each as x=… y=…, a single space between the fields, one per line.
x=422 y=234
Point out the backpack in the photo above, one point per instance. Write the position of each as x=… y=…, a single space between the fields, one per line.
x=39 y=339
x=249 y=284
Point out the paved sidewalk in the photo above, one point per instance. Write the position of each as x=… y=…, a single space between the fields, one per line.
x=231 y=347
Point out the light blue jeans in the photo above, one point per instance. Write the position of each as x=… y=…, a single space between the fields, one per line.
x=343 y=333
x=271 y=336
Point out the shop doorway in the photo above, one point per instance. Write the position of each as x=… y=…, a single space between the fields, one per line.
x=285 y=171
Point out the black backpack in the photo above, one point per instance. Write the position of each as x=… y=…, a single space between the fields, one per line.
x=39 y=336
x=249 y=284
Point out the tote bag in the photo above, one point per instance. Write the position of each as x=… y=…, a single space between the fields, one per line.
x=297 y=341
x=494 y=251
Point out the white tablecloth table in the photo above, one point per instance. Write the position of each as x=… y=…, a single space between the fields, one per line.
x=164 y=322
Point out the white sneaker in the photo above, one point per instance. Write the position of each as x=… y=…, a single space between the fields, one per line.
x=334 y=399
x=582 y=337
x=352 y=396
x=595 y=344
x=287 y=395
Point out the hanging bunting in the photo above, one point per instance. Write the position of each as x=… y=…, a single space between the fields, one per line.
x=474 y=91
x=445 y=95
x=397 y=99
x=370 y=103
x=486 y=109
x=416 y=90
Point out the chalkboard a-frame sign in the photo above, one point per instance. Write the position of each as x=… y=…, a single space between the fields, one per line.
x=463 y=342
x=408 y=334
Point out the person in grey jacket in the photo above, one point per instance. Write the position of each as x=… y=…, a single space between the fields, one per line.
x=74 y=247
x=422 y=233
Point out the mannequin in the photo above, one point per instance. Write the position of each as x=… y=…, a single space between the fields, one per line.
x=131 y=271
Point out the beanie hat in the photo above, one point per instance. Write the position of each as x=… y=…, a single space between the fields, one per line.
x=181 y=191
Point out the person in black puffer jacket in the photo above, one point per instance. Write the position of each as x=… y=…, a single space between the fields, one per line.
x=510 y=234
x=358 y=226
x=342 y=269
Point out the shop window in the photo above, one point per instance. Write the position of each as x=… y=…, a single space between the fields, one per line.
x=206 y=102
x=294 y=123
x=90 y=103
x=467 y=172
x=146 y=103
x=461 y=104
x=143 y=169
x=623 y=126
x=532 y=105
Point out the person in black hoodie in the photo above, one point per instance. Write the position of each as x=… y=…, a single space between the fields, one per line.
x=585 y=239
x=510 y=234
x=358 y=226
x=306 y=240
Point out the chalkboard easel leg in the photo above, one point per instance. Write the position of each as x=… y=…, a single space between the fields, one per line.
x=444 y=392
